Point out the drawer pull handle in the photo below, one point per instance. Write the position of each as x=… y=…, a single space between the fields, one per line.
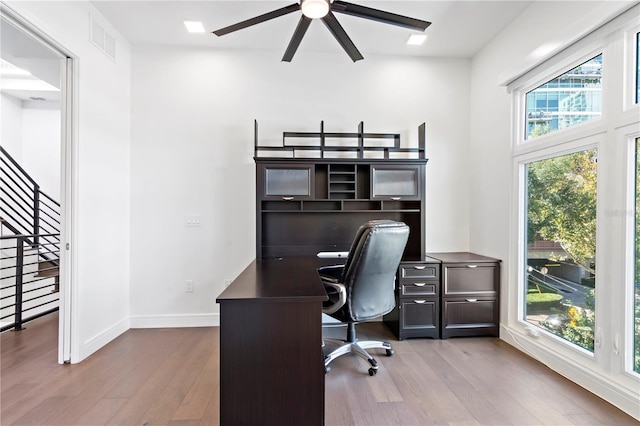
x=419 y=267
x=419 y=284
x=419 y=301
x=472 y=266
x=287 y=198
x=396 y=198
x=472 y=300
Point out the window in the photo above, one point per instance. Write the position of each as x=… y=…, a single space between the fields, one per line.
x=570 y=99
x=561 y=246
x=577 y=304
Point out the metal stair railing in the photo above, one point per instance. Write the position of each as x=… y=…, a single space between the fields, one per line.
x=28 y=290
x=32 y=219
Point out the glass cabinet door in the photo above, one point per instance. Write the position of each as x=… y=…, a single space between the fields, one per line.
x=396 y=182
x=284 y=181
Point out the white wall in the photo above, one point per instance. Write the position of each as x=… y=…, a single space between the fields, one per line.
x=41 y=147
x=11 y=126
x=31 y=135
x=192 y=153
x=100 y=175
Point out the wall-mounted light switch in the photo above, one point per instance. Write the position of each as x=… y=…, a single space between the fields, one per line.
x=188 y=287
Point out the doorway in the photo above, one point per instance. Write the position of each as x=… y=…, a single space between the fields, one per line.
x=36 y=78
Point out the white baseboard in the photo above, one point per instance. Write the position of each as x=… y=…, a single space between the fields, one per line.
x=98 y=341
x=622 y=397
x=175 y=321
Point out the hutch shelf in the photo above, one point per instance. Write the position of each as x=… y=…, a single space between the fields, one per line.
x=314 y=191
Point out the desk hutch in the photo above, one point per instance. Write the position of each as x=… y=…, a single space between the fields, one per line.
x=330 y=183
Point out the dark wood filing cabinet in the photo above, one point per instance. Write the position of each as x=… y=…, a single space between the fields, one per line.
x=470 y=295
x=417 y=311
x=447 y=295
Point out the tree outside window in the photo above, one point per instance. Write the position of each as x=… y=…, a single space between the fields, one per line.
x=561 y=246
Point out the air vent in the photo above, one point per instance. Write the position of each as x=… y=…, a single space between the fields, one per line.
x=102 y=39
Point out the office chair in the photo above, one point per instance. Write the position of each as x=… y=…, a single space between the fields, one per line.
x=363 y=288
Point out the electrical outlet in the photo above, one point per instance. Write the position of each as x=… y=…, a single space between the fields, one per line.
x=188 y=287
x=191 y=220
x=227 y=282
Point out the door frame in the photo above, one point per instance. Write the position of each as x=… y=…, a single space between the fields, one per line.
x=68 y=167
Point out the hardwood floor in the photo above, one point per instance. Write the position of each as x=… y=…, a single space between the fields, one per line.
x=170 y=377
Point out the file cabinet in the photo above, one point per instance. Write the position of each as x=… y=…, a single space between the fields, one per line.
x=447 y=295
x=470 y=290
x=417 y=311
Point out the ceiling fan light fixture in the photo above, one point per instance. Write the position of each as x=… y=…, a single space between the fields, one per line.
x=315 y=8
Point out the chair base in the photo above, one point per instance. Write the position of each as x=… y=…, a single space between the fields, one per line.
x=359 y=348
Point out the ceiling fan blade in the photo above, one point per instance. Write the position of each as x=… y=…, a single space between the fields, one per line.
x=301 y=29
x=339 y=33
x=258 y=19
x=379 y=15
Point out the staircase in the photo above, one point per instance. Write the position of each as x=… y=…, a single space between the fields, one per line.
x=29 y=247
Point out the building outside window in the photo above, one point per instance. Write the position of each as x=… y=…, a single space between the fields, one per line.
x=569 y=99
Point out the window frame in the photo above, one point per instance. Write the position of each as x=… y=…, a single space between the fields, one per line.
x=561 y=148
x=631 y=79
x=628 y=136
x=520 y=144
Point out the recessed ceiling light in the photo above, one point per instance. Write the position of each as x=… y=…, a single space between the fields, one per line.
x=194 y=26
x=416 y=39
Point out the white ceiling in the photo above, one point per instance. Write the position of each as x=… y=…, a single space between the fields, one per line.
x=25 y=52
x=460 y=28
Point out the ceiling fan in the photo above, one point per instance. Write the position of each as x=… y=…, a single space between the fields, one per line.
x=312 y=9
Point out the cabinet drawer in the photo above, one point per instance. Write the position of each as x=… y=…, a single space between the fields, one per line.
x=415 y=317
x=412 y=271
x=424 y=288
x=470 y=279
x=469 y=317
x=419 y=314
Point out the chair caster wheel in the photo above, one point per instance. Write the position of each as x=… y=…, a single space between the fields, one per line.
x=390 y=352
x=373 y=371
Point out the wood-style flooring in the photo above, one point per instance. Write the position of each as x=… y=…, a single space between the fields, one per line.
x=171 y=377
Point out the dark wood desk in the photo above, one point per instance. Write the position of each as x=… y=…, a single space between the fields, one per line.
x=271 y=362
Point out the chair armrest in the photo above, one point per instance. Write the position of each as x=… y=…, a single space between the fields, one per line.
x=331 y=273
x=337 y=296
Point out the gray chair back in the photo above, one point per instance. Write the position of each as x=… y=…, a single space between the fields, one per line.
x=370 y=269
